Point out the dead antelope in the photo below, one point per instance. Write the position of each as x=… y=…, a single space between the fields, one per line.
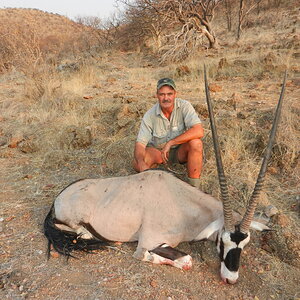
x=158 y=210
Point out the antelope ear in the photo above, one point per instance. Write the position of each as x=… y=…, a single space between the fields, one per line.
x=209 y=230
x=259 y=226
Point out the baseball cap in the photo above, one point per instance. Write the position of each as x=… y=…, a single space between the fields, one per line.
x=166 y=81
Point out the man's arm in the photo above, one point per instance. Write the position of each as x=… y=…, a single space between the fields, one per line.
x=195 y=132
x=139 y=157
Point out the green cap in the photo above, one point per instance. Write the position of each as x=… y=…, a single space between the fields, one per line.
x=166 y=81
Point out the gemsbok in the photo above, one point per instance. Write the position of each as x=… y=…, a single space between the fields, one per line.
x=157 y=210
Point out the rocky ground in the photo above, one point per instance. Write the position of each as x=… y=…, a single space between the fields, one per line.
x=39 y=157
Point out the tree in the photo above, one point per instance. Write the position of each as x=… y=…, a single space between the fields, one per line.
x=228 y=12
x=142 y=25
x=244 y=9
x=182 y=24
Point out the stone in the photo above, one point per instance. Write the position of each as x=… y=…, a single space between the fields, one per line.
x=234 y=99
x=28 y=146
x=263 y=199
x=223 y=63
x=74 y=137
x=215 y=88
x=282 y=220
x=271 y=211
x=183 y=71
x=201 y=109
x=15 y=140
x=3 y=141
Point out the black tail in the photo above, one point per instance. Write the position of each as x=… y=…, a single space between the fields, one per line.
x=64 y=242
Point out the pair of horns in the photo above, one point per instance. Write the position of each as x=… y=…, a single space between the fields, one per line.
x=228 y=219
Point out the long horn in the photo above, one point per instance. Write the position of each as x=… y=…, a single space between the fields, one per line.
x=246 y=221
x=228 y=221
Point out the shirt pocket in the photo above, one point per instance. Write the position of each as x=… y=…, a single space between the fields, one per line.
x=159 y=137
x=177 y=130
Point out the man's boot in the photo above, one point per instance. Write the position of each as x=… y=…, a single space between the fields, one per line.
x=194 y=182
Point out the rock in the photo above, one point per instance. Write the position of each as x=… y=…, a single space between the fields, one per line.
x=273 y=170
x=116 y=95
x=270 y=59
x=153 y=283
x=224 y=113
x=125 y=111
x=3 y=141
x=243 y=63
x=87 y=97
x=130 y=99
x=15 y=140
x=124 y=121
x=54 y=254
x=215 y=88
x=28 y=146
x=282 y=220
x=55 y=160
x=223 y=63
x=97 y=86
x=253 y=95
x=241 y=115
x=271 y=211
x=111 y=79
x=296 y=82
x=261 y=218
x=48 y=186
x=72 y=66
x=74 y=137
x=183 y=71
x=296 y=54
x=234 y=99
x=201 y=109
x=263 y=199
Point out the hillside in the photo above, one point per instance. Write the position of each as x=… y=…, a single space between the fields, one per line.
x=30 y=36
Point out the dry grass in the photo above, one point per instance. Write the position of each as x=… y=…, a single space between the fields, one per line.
x=106 y=96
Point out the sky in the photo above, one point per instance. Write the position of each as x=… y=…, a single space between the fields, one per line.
x=69 y=8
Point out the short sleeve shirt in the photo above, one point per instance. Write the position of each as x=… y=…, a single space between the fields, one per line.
x=156 y=129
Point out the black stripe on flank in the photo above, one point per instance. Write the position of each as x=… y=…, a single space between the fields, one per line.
x=91 y=229
x=70 y=185
x=168 y=252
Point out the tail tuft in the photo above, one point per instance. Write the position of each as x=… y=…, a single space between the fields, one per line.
x=64 y=242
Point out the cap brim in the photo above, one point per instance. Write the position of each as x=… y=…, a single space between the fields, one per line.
x=164 y=84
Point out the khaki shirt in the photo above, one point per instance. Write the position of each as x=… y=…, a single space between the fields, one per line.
x=156 y=129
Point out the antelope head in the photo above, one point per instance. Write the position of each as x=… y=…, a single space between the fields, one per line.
x=234 y=237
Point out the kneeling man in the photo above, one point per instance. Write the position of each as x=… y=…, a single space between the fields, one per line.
x=170 y=131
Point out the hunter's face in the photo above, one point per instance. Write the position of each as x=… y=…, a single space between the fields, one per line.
x=166 y=97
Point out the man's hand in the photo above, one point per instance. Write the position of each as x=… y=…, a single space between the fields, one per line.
x=165 y=152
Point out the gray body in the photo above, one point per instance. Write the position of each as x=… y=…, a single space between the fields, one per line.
x=152 y=207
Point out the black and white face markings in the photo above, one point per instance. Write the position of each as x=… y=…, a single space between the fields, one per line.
x=230 y=246
x=166 y=255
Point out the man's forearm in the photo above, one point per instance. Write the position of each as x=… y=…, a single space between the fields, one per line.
x=139 y=152
x=196 y=132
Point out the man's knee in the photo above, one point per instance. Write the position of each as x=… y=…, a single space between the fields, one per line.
x=195 y=145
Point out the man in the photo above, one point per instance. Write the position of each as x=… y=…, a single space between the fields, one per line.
x=170 y=131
